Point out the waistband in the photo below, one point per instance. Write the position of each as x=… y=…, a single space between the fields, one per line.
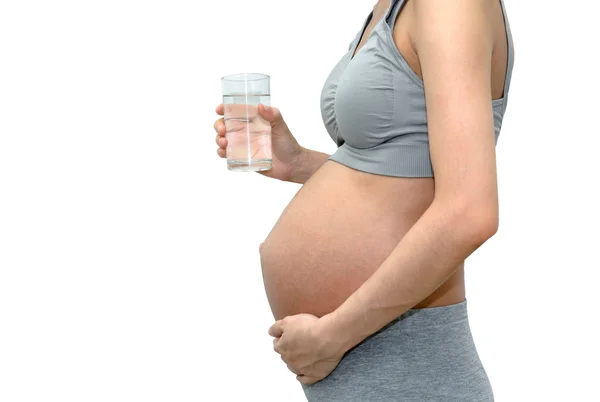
x=430 y=317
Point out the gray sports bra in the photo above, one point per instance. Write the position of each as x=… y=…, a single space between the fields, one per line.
x=373 y=105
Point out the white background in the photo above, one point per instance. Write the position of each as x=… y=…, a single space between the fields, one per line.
x=129 y=266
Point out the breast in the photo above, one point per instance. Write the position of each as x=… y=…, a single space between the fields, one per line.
x=365 y=99
x=371 y=99
x=334 y=234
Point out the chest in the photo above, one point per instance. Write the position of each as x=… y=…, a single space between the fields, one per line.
x=369 y=98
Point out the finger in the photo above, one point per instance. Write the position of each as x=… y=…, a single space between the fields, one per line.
x=221 y=142
x=293 y=370
x=276 y=329
x=219 y=127
x=220 y=110
x=276 y=345
x=306 y=379
x=221 y=152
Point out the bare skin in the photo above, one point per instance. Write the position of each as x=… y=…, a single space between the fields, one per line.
x=343 y=225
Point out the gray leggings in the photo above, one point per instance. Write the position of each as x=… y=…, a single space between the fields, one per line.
x=425 y=355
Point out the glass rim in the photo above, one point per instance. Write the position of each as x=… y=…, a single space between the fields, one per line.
x=241 y=77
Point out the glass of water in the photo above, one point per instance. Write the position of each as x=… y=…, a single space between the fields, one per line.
x=248 y=134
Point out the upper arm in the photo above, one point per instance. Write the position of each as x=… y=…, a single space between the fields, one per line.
x=453 y=41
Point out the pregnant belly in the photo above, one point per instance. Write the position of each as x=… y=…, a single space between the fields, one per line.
x=335 y=233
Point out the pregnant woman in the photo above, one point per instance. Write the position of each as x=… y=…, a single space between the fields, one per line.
x=364 y=270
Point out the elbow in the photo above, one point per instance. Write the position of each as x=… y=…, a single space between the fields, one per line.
x=477 y=222
x=486 y=227
x=481 y=222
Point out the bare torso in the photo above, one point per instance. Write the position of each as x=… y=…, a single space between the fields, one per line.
x=344 y=223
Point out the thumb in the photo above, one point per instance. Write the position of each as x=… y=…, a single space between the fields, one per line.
x=271 y=114
x=276 y=329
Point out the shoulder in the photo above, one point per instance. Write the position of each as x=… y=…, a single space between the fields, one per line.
x=439 y=22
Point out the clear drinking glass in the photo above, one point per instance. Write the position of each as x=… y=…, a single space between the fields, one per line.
x=248 y=134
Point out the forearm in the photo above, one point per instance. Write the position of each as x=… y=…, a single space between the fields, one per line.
x=307 y=164
x=422 y=261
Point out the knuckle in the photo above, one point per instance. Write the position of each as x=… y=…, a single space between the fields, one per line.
x=291 y=360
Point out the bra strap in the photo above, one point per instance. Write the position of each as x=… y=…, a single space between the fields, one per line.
x=393 y=11
x=511 y=55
